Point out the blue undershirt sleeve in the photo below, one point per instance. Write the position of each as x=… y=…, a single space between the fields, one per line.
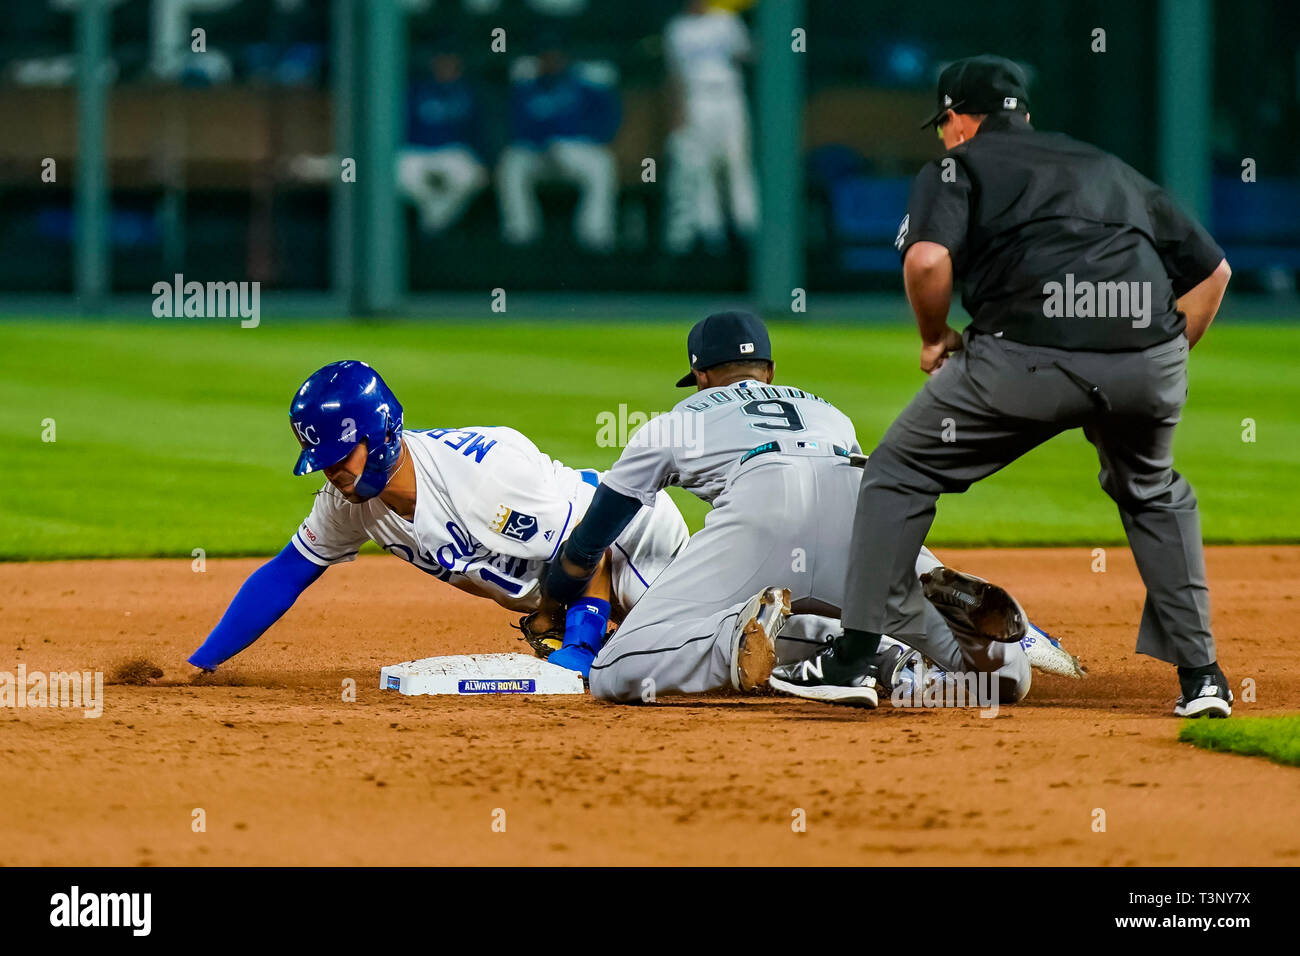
x=263 y=599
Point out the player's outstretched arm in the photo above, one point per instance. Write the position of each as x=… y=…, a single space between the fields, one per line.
x=263 y=599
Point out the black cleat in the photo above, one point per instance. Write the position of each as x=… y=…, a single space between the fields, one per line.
x=826 y=678
x=1206 y=696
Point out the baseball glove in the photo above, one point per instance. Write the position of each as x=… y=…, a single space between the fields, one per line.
x=973 y=607
x=541 y=633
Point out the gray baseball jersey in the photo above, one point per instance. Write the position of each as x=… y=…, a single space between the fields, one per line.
x=773 y=461
x=699 y=442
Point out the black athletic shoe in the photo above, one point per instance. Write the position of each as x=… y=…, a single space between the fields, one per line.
x=825 y=677
x=1205 y=696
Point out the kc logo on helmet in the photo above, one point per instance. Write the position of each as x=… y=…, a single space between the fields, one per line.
x=306 y=434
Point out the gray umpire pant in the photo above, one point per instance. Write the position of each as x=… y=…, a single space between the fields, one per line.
x=783 y=520
x=988 y=405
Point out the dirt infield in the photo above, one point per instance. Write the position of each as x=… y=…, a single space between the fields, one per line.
x=288 y=772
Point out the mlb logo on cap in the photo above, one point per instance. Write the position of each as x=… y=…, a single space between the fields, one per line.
x=722 y=336
x=981 y=84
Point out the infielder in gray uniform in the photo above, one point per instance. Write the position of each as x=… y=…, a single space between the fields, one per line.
x=775 y=462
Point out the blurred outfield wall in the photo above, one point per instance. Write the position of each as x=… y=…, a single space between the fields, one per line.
x=149 y=138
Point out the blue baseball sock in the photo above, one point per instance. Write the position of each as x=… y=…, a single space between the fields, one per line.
x=584 y=633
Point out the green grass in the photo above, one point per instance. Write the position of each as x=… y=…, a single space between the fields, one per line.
x=1277 y=738
x=174 y=436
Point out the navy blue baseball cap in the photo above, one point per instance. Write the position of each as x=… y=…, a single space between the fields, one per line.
x=726 y=337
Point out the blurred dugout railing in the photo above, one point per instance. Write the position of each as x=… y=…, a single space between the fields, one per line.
x=224 y=163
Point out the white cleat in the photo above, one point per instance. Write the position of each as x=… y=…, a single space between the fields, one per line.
x=1046 y=654
x=753 y=643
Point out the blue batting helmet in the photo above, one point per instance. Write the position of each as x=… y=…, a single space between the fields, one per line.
x=340 y=406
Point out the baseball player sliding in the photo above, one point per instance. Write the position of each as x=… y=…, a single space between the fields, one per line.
x=776 y=464
x=480 y=508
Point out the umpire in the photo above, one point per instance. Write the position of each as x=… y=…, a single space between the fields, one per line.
x=1087 y=286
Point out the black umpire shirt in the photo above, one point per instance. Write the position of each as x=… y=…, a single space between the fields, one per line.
x=1057 y=243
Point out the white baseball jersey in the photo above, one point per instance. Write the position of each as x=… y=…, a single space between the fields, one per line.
x=490 y=511
x=702 y=51
x=697 y=444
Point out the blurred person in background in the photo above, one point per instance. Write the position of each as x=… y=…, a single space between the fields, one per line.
x=440 y=170
x=704 y=47
x=170 y=40
x=563 y=117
